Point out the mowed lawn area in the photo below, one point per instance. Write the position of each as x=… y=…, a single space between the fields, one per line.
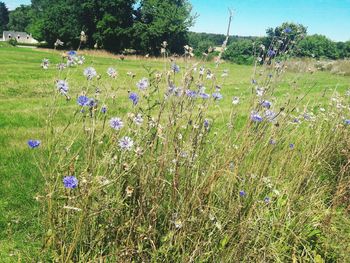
x=25 y=94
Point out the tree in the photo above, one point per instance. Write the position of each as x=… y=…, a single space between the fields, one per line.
x=4 y=17
x=109 y=23
x=318 y=46
x=240 y=52
x=162 y=20
x=20 y=18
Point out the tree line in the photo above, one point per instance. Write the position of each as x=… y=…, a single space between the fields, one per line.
x=113 y=25
x=143 y=25
x=243 y=50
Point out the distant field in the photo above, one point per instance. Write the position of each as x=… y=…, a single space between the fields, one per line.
x=26 y=90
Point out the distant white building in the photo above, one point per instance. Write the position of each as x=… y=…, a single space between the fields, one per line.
x=21 y=37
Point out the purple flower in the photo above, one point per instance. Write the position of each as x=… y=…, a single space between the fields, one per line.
x=92 y=103
x=191 y=93
x=347 y=122
x=266 y=104
x=90 y=73
x=70 y=182
x=143 y=84
x=204 y=95
x=206 y=124
x=291 y=146
x=255 y=117
x=72 y=53
x=83 y=100
x=33 y=143
x=267 y=200
x=126 y=143
x=104 y=109
x=287 y=30
x=271 y=53
x=62 y=86
x=134 y=97
x=270 y=115
x=116 y=123
x=242 y=193
x=217 y=96
x=175 y=68
x=112 y=72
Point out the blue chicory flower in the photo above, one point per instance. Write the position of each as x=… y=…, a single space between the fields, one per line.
x=70 y=182
x=33 y=143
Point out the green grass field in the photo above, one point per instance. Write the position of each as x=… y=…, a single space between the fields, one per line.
x=26 y=92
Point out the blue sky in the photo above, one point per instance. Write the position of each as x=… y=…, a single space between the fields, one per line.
x=252 y=17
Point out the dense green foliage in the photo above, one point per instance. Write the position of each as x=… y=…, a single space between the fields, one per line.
x=4 y=17
x=113 y=25
x=241 y=50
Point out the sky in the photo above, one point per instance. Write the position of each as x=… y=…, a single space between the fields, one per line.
x=253 y=17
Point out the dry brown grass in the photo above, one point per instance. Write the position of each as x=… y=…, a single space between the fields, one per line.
x=337 y=67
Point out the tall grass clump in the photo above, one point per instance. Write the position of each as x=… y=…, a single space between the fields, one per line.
x=175 y=167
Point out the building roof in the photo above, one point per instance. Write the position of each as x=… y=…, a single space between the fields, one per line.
x=16 y=34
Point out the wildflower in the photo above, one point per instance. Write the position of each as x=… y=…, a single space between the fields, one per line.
x=70 y=182
x=255 y=117
x=143 y=84
x=62 y=86
x=138 y=120
x=175 y=68
x=287 y=30
x=291 y=146
x=267 y=200
x=270 y=115
x=104 y=109
x=271 y=53
x=217 y=96
x=272 y=142
x=266 y=104
x=126 y=143
x=112 y=72
x=201 y=71
x=45 y=63
x=83 y=100
x=72 y=53
x=134 y=98
x=191 y=93
x=116 y=123
x=242 y=193
x=206 y=124
x=235 y=100
x=347 y=122
x=33 y=143
x=204 y=95
x=92 y=103
x=90 y=73
x=254 y=81
x=61 y=66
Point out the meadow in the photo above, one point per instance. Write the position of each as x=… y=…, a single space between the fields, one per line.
x=207 y=181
